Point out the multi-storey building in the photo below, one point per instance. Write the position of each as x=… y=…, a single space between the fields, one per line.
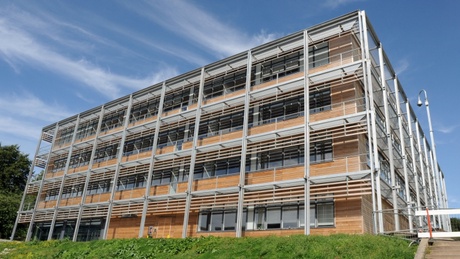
x=263 y=142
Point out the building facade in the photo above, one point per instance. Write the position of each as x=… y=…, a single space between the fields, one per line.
x=263 y=142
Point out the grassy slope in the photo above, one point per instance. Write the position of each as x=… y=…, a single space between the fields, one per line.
x=335 y=246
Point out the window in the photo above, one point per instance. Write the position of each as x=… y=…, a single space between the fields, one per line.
x=132 y=181
x=324 y=214
x=281 y=110
x=217 y=168
x=321 y=151
x=170 y=175
x=282 y=157
x=290 y=217
x=98 y=187
x=318 y=55
x=231 y=82
x=219 y=220
x=284 y=64
x=145 y=109
x=203 y=221
x=271 y=217
x=112 y=120
x=320 y=100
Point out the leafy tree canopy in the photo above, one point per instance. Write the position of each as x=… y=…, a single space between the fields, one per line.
x=14 y=169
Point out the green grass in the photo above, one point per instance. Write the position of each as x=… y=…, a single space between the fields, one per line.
x=298 y=246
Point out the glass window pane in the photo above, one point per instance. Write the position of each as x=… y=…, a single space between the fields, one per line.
x=230 y=220
x=203 y=221
x=216 y=221
x=273 y=218
x=290 y=217
x=312 y=216
x=325 y=214
x=259 y=218
x=302 y=216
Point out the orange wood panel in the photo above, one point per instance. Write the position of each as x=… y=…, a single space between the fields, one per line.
x=216 y=182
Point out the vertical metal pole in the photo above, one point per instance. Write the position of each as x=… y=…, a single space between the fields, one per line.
x=433 y=148
x=373 y=132
x=404 y=156
x=428 y=173
x=244 y=143
x=66 y=170
x=420 y=158
x=368 y=105
x=389 y=140
x=306 y=86
x=88 y=175
x=37 y=201
x=117 y=168
x=188 y=201
x=29 y=178
x=435 y=187
x=414 y=166
x=152 y=160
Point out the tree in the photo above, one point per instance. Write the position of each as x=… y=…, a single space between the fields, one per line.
x=455 y=224
x=14 y=170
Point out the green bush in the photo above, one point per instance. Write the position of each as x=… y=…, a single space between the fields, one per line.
x=298 y=246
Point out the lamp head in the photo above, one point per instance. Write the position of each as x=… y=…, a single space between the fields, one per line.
x=419 y=102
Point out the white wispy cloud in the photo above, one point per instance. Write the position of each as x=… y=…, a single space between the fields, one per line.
x=23 y=114
x=27 y=105
x=446 y=129
x=23 y=48
x=201 y=28
x=401 y=66
x=336 y=3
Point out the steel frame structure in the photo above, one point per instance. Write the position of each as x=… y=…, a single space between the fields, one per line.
x=382 y=120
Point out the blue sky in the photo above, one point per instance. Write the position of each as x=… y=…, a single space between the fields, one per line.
x=59 y=58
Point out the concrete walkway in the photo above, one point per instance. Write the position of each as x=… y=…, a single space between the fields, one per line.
x=438 y=248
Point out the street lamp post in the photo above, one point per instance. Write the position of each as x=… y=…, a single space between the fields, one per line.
x=433 y=144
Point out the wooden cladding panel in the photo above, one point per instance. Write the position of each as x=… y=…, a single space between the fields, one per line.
x=142 y=121
x=279 y=80
x=103 y=197
x=104 y=163
x=47 y=204
x=78 y=169
x=129 y=194
x=137 y=156
x=223 y=97
x=272 y=175
x=216 y=182
x=70 y=201
x=276 y=126
x=124 y=228
x=216 y=139
x=164 y=150
x=340 y=52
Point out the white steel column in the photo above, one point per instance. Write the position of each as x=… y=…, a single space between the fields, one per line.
x=389 y=140
x=61 y=188
x=403 y=152
x=152 y=160
x=88 y=175
x=117 y=167
x=307 y=137
x=435 y=187
x=37 y=200
x=188 y=202
x=420 y=158
x=244 y=143
x=29 y=177
x=372 y=133
x=366 y=76
x=428 y=174
x=414 y=166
